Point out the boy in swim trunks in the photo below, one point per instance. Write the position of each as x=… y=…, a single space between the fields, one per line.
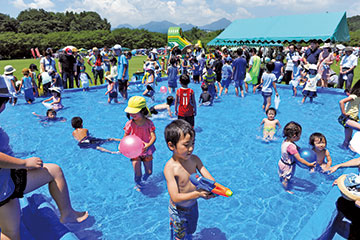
x=183 y=208
x=85 y=140
x=270 y=124
x=163 y=106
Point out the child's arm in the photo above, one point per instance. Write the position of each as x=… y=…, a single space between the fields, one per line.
x=328 y=158
x=274 y=85
x=48 y=100
x=193 y=102
x=56 y=101
x=21 y=84
x=34 y=113
x=176 y=104
x=278 y=124
x=151 y=142
x=342 y=104
x=303 y=161
x=202 y=169
x=351 y=163
x=169 y=110
x=262 y=122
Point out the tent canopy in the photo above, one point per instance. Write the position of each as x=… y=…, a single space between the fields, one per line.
x=327 y=27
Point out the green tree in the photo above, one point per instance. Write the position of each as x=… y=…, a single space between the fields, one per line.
x=8 y=24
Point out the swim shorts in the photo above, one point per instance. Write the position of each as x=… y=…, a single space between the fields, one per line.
x=269 y=129
x=19 y=177
x=342 y=119
x=90 y=142
x=183 y=221
x=146 y=158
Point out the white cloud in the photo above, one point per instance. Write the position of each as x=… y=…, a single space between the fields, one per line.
x=354 y=10
x=45 y=4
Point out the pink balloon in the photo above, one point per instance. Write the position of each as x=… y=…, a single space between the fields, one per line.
x=131 y=146
x=163 y=89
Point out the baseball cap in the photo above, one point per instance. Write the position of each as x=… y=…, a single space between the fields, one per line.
x=68 y=51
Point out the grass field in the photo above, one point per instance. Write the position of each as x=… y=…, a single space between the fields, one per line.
x=135 y=64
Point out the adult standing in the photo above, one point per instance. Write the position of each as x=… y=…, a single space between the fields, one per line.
x=67 y=68
x=79 y=61
x=123 y=70
x=254 y=68
x=312 y=54
x=326 y=58
x=347 y=65
x=21 y=176
x=105 y=53
x=289 y=63
x=96 y=63
x=47 y=62
x=239 y=72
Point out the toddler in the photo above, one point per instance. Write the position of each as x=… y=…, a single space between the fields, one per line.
x=267 y=81
x=56 y=99
x=270 y=124
x=50 y=116
x=209 y=79
x=26 y=83
x=85 y=79
x=142 y=127
x=311 y=80
x=111 y=90
x=10 y=81
x=226 y=76
x=32 y=69
x=196 y=71
x=205 y=97
x=164 y=106
x=290 y=154
x=296 y=74
x=318 y=143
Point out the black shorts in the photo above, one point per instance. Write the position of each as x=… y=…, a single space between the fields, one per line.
x=123 y=85
x=91 y=142
x=189 y=119
x=19 y=177
x=218 y=77
x=113 y=95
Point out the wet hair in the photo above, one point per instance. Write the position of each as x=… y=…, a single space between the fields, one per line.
x=174 y=130
x=184 y=79
x=3 y=100
x=51 y=111
x=291 y=129
x=170 y=100
x=356 y=88
x=76 y=122
x=239 y=51
x=270 y=66
x=172 y=61
x=144 y=111
x=271 y=109
x=204 y=87
x=317 y=135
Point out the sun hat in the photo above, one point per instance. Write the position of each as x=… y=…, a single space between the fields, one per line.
x=154 y=50
x=55 y=89
x=349 y=49
x=4 y=91
x=95 y=49
x=326 y=45
x=68 y=51
x=135 y=104
x=9 y=69
x=117 y=47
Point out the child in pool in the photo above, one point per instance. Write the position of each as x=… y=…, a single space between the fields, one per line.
x=183 y=208
x=172 y=73
x=196 y=71
x=85 y=79
x=10 y=81
x=270 y=124
x=185 y=103
x=149 y=78
x=290 y=154
x=50 y=116
x=163 y=106
x=226 y=76
x=209 y=80
x=32 y=69
x=85 y=140
x=349 y=113
x=111 y=90
x=311 y=80
x=142 y=127
x=318 y=143
x=26 y=83
x=296 y=75
x=56 y=99
x=205 y=97
x=267 y=81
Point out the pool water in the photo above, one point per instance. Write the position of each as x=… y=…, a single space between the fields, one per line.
x=228 y=141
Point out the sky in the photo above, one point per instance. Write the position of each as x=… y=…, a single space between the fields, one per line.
x=196 y=12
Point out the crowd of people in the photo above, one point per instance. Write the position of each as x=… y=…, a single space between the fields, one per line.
x=245 y=67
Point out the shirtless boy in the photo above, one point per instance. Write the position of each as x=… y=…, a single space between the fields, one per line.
x=183 y=208
x=270 y=124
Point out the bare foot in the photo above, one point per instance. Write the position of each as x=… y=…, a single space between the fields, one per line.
x=75 y=217
x=288 y=191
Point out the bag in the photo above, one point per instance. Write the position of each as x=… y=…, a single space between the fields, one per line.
x=248 y=77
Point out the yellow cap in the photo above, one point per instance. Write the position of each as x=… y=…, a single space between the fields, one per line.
x=135 y=104
x=75 y=49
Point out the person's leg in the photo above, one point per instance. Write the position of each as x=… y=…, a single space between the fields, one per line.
x=242 y=91
x=353 y=124
x=52 y=174
x=348 y=134
x=101 y=76
x=340 y=81
x=96 y=74
x=268 y=103
x=137 y=170
x=350 y=77
x=303 y=100
x=148 y=165
x=311 y=99
x=246 y=87
x=64 y=79
x=294 y=91
x=10 y=220
x=71 y=80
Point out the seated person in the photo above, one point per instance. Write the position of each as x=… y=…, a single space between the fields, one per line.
x=50 y=116
x=163 y=106
x=85 y=140
x=205 y=97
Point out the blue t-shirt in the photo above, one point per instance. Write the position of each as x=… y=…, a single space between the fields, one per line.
x=27 y=84
x=122 y=61
x=268 y=79
x=277 y=69
x=7 y=186
x=172 y=74
x=297 y=71
x=312 y=56
x=226 y=72
x=196 y=71
x=240 y=68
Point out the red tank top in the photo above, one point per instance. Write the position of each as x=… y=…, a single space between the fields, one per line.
x=185 y=108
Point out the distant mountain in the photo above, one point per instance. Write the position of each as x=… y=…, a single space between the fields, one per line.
x=186 y=26
x=217 y=25
x=161 y=27
x=125 y=26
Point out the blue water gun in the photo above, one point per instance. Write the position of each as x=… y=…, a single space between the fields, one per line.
x=206 y=184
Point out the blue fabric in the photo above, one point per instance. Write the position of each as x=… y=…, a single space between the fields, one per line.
x=240 y=68
x=196 y=71
x=271 y=30
x=277 y=69
x=27 y=84
x=122 y=61
x=6 y=184
x=226 y=72
x=312 y=56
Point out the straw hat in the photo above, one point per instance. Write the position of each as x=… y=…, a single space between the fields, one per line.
x=9 y=69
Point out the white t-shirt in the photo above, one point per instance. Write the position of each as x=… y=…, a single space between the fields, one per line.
x=311 y=82
x=349 y=61
x=268 y=79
